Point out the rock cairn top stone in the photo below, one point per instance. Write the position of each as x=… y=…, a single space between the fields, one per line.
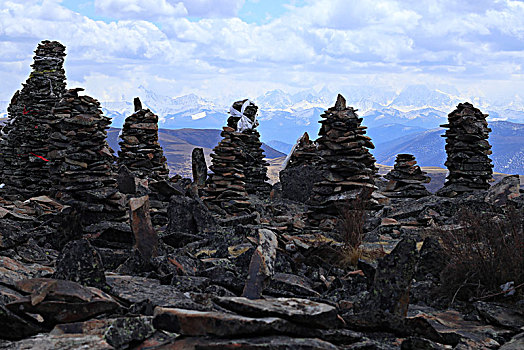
x=81 y=160
x=347 y=165
x=139 y=150
x=468 y=148
x=406 y=179
x=24 y=138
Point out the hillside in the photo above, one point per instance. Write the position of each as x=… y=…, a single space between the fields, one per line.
x=178 y=145
x=507 y=140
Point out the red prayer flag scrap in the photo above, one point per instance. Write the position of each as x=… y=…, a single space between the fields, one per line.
x=36 y=155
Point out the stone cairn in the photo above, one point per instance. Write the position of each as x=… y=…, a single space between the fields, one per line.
x=406 y=179
x=255 y=167
x=347 y=165
x=81 y=159
x=468 y=148
x=304 y=152
x=238 y=163
x=140 y=151
x=24 y=138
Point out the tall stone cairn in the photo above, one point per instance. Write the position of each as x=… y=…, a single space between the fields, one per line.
x=81 y=159
x=226 y=190
x=255 y=167
x=24 y=138
x=347 y=165
x=468 y=148
x=139 y=150
x=406 y=179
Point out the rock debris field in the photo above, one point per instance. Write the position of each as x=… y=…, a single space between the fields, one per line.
x=105 y=251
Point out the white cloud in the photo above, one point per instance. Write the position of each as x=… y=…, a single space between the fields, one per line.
x=162 y=9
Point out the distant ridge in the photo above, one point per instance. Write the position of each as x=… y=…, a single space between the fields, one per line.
x=179 y=143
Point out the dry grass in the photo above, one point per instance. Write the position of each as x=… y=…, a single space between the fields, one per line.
x=483 y=254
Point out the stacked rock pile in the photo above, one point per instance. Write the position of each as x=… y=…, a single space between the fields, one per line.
x=255 y=167
x=226 y=190
x=468 y=149
x=304 y=152
x=81 y=159
x=406 y=179
x=139 y=150
x=347 y=165
x=24 y=143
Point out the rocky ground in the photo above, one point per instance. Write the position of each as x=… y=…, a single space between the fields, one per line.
x=208 y=282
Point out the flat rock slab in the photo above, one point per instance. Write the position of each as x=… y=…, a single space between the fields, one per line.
x=198 y=323
x=499 y=315
x=293 y=309
x=139 y=289
x=63 y=342
x=59 y=301
x=270 y=342
x=12 y=270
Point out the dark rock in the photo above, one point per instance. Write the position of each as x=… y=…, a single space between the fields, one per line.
x=187 y=215
x=500 y=315
x=261 y=267
x=432 y=260
x=268 y=342
x=126 y=181
x=390 y=290
x=298 y=181
x=516 y=343
x=406 y=179
x=127 y=332
x=15 y=327
x=146 y=239
x=296 y=310
x=80 y=262
x=137 y=104
x=506 y=189
x=59 y=301
x=199 y=166
x=417 y=343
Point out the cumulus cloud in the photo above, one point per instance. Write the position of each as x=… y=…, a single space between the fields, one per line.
x=203 y=43
x=162 y=9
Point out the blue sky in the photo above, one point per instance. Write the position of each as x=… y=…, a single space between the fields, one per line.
x=230 y=48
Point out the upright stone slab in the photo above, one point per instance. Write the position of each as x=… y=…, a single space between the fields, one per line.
x=406 y=179
x=199 y=167
x=139 y=150
x=81 y=160
x=347 y=166
x=24 y=143
x=468 y=151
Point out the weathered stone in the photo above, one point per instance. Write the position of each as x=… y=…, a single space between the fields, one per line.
x=298 y=181
x=146 y=239
x=297 y=310
x=188 y=215
x=59 y=301
x=432 y=260
x=262 y=263
x=516 y=343
x=506 y=189
x=80 y=262
x=199 y=166
x=500 y=315
x=255 y=343
x=197 y=323
x=126 y=181
x=390 y=290
x=126 y=332
x=406 y=179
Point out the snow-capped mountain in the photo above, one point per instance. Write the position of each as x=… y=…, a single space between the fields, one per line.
x=286 y=116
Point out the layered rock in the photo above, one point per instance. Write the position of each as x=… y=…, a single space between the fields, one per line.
x=24 y=143
x=238 y=161
x=347 y=165
x=226 y=190
x=243 y=120
x=81 y=159
x=406 y=179
x=300 y=171
x=139 y=150
x=468 y=148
